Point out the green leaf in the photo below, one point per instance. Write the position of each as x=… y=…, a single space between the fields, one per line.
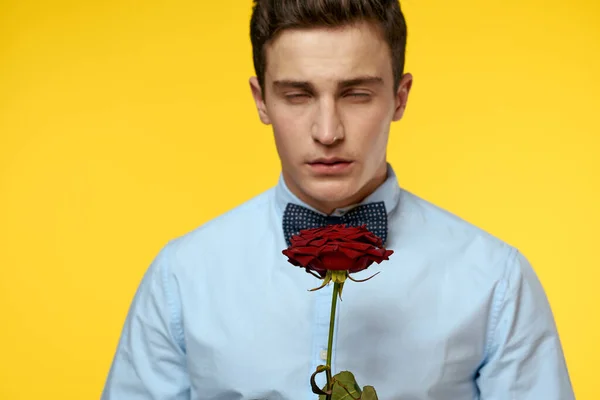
x=369 y=393
x=344 y=387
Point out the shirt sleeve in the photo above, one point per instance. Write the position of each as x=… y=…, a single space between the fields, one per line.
x=525 y=359
x=150 y=360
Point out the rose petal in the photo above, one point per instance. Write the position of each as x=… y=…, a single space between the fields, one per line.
x=336 y=247
x=336 y=261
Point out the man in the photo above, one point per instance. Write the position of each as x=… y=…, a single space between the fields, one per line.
x=221 y=314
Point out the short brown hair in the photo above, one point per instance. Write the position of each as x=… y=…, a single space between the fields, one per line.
x=270 y=17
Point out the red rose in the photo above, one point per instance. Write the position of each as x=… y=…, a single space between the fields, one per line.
x=332 y=253
x=336 y=248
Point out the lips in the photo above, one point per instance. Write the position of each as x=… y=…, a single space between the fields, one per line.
x=330 y=166
x=329 y=161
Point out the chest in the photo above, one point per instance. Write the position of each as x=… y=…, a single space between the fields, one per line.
x=412 y=334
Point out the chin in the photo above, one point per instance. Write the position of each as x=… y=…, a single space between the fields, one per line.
x=331 y=192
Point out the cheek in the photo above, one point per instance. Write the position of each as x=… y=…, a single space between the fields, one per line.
x=289 y=137
x=291 y=127
x=369 y=124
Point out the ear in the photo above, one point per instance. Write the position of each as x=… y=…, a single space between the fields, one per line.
x=257 y=94
x=402 y=96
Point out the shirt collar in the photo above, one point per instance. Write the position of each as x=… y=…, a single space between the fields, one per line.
x=388 y=192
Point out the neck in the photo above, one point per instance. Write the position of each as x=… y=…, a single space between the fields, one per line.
x=327 y=207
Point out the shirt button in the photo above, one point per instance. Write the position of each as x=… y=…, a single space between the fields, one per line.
x=323 y=355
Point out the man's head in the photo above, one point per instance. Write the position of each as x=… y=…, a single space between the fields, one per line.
x=330 y=81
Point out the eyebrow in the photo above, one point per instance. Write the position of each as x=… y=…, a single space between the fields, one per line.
x=361 y=80
x=305 y=85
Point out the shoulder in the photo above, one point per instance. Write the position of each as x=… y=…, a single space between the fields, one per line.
x=229 y=226
x=428 y=218
x=450 y=238
x=223 y=237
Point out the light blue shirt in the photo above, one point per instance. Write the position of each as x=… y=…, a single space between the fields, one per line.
x=454 y=314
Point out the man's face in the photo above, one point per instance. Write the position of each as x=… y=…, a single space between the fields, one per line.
x=330 y=98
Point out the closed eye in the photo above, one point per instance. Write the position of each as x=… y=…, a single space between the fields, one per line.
x=297 y=97
x=358 y=96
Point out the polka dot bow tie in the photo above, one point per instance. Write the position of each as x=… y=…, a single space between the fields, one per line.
x=373 y=215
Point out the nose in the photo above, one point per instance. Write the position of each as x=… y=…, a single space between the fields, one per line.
x=327 y=127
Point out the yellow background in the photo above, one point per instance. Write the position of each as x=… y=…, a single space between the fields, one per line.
x=124 y=124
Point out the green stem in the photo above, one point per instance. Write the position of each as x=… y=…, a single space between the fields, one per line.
x=336 y=289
